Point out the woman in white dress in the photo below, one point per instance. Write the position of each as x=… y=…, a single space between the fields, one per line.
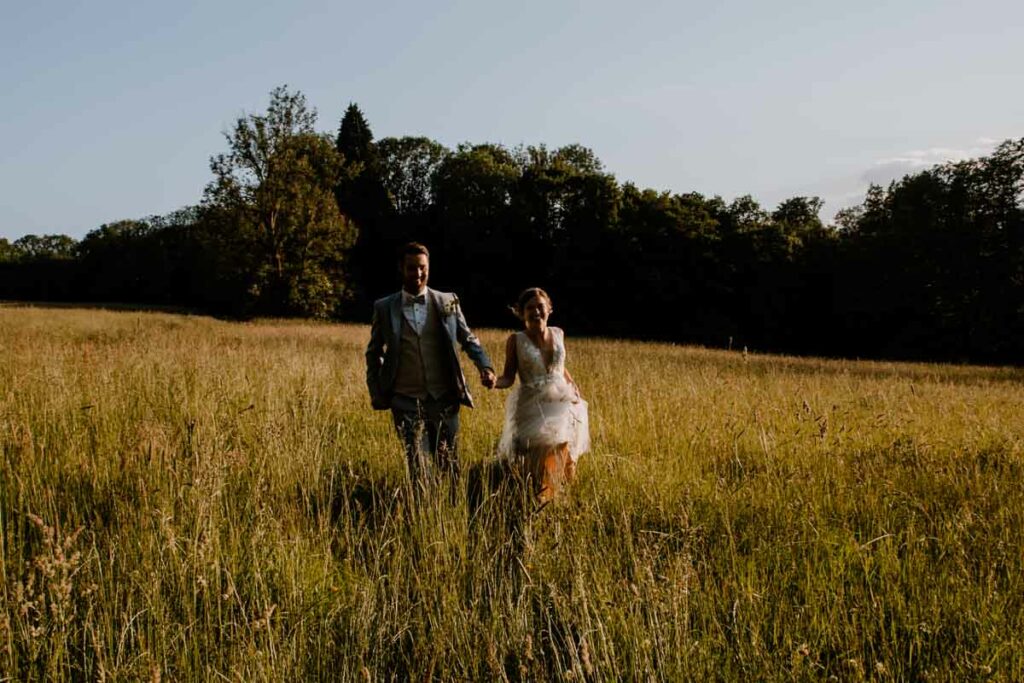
x=546 y=426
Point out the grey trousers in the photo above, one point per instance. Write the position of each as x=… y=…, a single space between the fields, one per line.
x=429 y=430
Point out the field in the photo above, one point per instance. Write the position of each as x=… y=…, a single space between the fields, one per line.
x=190 y=499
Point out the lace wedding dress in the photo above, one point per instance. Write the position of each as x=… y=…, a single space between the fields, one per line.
x=543 y=411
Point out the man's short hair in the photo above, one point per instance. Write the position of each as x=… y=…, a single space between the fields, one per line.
x=412 y=249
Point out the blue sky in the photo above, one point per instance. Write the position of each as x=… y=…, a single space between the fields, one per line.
x=111 y=110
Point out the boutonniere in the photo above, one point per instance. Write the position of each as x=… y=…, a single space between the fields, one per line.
x=451 y=306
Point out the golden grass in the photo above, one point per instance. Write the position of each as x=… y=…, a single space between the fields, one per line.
x=200 y=500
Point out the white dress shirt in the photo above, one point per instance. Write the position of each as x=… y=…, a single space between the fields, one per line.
x=414 y=308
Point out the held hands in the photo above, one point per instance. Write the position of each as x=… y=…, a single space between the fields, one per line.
x=487 y=378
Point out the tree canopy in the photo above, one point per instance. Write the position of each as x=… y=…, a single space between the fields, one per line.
x=299 y=222
x=271 y=205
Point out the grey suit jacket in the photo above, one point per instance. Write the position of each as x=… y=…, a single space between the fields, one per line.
x=382 y=353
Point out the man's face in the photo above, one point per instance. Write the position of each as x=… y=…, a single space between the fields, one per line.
x=415 y=269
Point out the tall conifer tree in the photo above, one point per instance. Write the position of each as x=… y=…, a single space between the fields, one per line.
x=362 y=197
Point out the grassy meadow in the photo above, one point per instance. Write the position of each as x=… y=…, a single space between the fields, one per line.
x=183 y=498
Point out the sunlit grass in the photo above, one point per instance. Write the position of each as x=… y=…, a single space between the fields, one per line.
x=193 y=499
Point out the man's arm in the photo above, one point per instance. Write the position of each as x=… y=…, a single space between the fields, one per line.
x=374 y=360
x=472 y=347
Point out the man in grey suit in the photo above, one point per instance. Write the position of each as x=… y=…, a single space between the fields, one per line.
x=412 y=366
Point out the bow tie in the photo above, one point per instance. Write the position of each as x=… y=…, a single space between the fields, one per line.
x=419 y=299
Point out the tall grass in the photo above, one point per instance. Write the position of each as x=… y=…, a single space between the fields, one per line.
x=189 y=499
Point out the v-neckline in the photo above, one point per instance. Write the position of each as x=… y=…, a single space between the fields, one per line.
x=543 y=359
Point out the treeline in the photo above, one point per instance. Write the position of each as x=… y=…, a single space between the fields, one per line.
x=297 y=222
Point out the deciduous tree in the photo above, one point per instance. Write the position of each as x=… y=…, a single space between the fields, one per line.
x=271 y=199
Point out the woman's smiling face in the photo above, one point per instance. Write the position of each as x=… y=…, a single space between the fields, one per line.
x=536 y=312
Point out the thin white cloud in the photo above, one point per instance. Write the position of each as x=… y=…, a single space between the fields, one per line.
x=895 y=167
x=887 y=170
x=849 y=190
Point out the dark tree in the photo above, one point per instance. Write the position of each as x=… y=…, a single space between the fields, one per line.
x=472 y=241
x=40 y=247
x=408 y=165
x=361 y=195
x=39 y=268
x=279 y=232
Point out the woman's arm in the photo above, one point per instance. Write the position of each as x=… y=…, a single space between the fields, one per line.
x=565 y=371
x=569 y=380
x=508 y=375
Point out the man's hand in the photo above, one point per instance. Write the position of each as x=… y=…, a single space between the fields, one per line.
x=487 y=378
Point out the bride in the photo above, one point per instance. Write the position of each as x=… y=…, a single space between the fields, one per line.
x=545 y=418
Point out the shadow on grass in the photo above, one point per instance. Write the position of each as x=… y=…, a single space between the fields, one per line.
x=493 y=488
x=354 y=497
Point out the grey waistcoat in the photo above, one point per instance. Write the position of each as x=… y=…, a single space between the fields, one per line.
x=422 y=365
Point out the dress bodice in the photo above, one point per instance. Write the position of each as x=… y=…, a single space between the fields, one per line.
x=533 y=368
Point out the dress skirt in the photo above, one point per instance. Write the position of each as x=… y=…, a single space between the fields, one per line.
x=545 y=414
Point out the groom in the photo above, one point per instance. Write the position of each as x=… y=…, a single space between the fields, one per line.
x=412 y=366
